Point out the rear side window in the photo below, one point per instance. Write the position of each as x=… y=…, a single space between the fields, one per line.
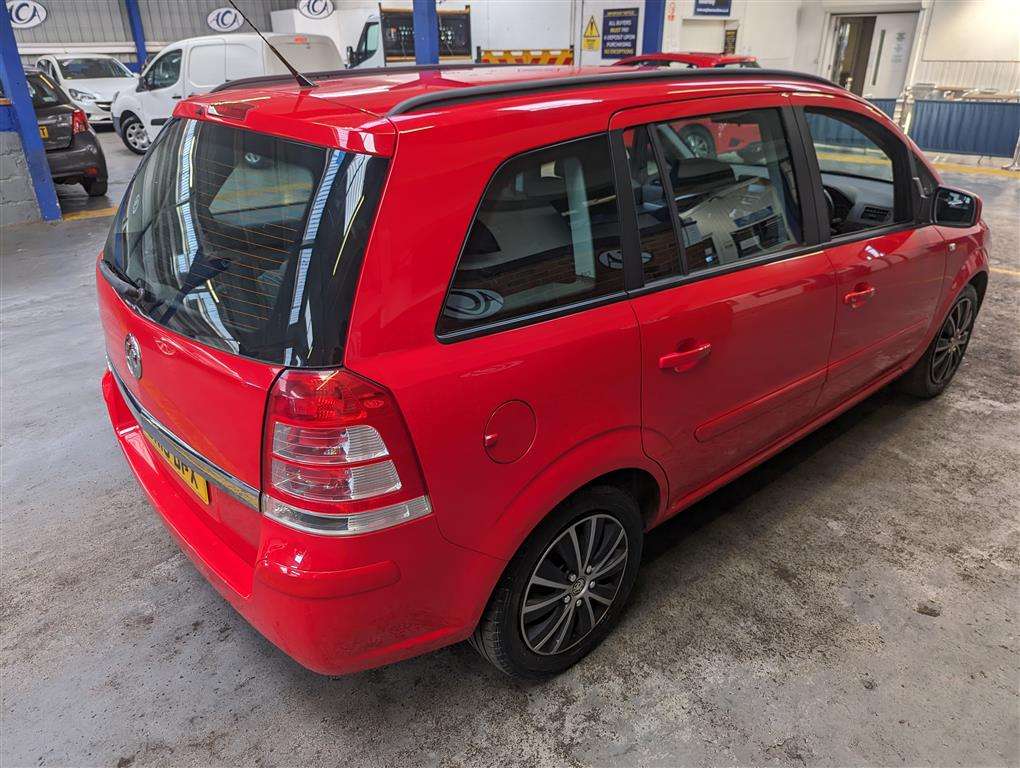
x=246 y=242
x=732 y=181
x=546 y=235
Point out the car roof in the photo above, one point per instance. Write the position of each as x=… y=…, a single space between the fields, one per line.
x=362 y=110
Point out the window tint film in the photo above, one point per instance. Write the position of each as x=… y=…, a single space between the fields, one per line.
x=660 y=254
x=546 y=235
x=733 y=181
x=246 y=242
x=859 y=178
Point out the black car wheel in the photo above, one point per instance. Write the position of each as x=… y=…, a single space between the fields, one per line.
x=940 y=362
x=134 y=135
x=566 y=587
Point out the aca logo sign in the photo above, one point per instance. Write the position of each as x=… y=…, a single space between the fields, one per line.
x=26 y=14
x=316 y=9
x=224 y=20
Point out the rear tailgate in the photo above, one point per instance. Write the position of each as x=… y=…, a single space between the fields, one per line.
x=248 y=248
x=55 y=126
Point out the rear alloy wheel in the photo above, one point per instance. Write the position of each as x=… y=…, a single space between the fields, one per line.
x=566 y=587
x=136 y=138
x=940 y=362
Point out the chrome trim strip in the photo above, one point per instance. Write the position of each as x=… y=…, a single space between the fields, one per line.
x=223 y=480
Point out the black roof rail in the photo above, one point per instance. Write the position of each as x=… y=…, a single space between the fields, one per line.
x=618 y=75
x=335 y=74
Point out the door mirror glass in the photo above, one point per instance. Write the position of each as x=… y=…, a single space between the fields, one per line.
x=955 y=208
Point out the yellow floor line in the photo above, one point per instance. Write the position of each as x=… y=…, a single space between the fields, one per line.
x=97 y=213
x=1003 y=270
x=983 y=169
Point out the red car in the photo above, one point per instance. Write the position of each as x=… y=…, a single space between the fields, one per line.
x=689 y=60
x=414 y=357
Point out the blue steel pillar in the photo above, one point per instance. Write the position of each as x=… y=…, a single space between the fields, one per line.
x=426 y=32
x=12 y=75
x=655 y=17
x=137 y=31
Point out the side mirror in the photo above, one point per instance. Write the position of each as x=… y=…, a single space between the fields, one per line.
x=141 y=85
x=956 y=208
x=350 y=56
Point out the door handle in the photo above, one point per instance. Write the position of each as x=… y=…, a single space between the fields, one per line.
x=860 y=294
x=685 y=359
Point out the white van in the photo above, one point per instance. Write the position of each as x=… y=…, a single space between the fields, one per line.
x=199 y=64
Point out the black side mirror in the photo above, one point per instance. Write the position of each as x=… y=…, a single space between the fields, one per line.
x=956 y=208
x=350 y=56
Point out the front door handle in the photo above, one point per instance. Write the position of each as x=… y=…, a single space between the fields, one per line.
x=860 y=294
x=685 y=359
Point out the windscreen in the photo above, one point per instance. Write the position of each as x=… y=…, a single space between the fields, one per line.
x=247 y=243
x=91 y=69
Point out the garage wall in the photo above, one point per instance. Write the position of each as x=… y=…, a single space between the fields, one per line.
x=102 y=26
x=17 y=195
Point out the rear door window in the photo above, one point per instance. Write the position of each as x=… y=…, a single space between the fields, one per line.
x=546 y=236
x=732 y=181
x=246 y=242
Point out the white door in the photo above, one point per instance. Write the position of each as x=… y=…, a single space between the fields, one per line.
x=206 y=67
x=162 y=87
x=890 y=55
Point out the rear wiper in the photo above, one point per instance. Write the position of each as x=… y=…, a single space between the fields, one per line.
x=135 y=291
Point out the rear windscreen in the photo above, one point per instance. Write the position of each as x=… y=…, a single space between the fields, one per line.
x=246 y=242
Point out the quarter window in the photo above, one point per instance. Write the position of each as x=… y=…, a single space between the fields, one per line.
x=546 y=235
x=865 y=171
x=732 y=180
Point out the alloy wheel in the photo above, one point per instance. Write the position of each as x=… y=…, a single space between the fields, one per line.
x=574 y=584
x=137 y=136
x=698 y=144
x=952 y=341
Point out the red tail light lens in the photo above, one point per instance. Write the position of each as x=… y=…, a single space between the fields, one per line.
x=338 y=457
x=79 y=121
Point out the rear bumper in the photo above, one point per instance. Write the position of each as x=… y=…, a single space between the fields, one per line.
x=83 y=159
x=335 y=605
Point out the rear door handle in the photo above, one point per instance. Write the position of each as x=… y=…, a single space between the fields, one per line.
x=860 y=294
x=684 y=360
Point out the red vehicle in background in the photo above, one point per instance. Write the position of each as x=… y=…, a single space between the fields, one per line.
x=690 y=60
x=707 y=139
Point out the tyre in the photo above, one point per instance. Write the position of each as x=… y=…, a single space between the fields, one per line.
x=566 y=587
x=94 y=187
x=134 y=135
x=698 y=140
x=939 y=363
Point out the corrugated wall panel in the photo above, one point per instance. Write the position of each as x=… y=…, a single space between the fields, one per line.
x=166 y=22
x=966 y=127
x=74 y=21
x=999 y=75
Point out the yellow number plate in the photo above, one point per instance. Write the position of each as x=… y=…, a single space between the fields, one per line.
x=44 y=132
x=193 y=480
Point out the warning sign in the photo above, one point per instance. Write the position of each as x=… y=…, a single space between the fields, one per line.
x=590 y=37
x=620 y=28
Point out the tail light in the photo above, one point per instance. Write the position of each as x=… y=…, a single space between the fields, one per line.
x=338 y=458
x=79 y=121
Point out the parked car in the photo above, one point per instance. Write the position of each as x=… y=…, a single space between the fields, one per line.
x=704 y=138
x=389 y=394
x=91 y=80
x=199 y=64
x=689 y=60
x=72 y=149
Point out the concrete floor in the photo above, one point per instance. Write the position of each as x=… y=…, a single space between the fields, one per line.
x=853 y=601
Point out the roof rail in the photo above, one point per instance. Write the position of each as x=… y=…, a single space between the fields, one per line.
x=335 y=74
x=612 y=75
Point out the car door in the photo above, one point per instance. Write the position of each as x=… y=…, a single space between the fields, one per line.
x=889 y=269
x=206 y=67
x=161 y=89
x=735 y=312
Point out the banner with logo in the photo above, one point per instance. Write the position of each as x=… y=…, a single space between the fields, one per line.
x=26 y=14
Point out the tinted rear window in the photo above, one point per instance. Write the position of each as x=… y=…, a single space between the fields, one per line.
x=44 y=92
x=248 y=243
